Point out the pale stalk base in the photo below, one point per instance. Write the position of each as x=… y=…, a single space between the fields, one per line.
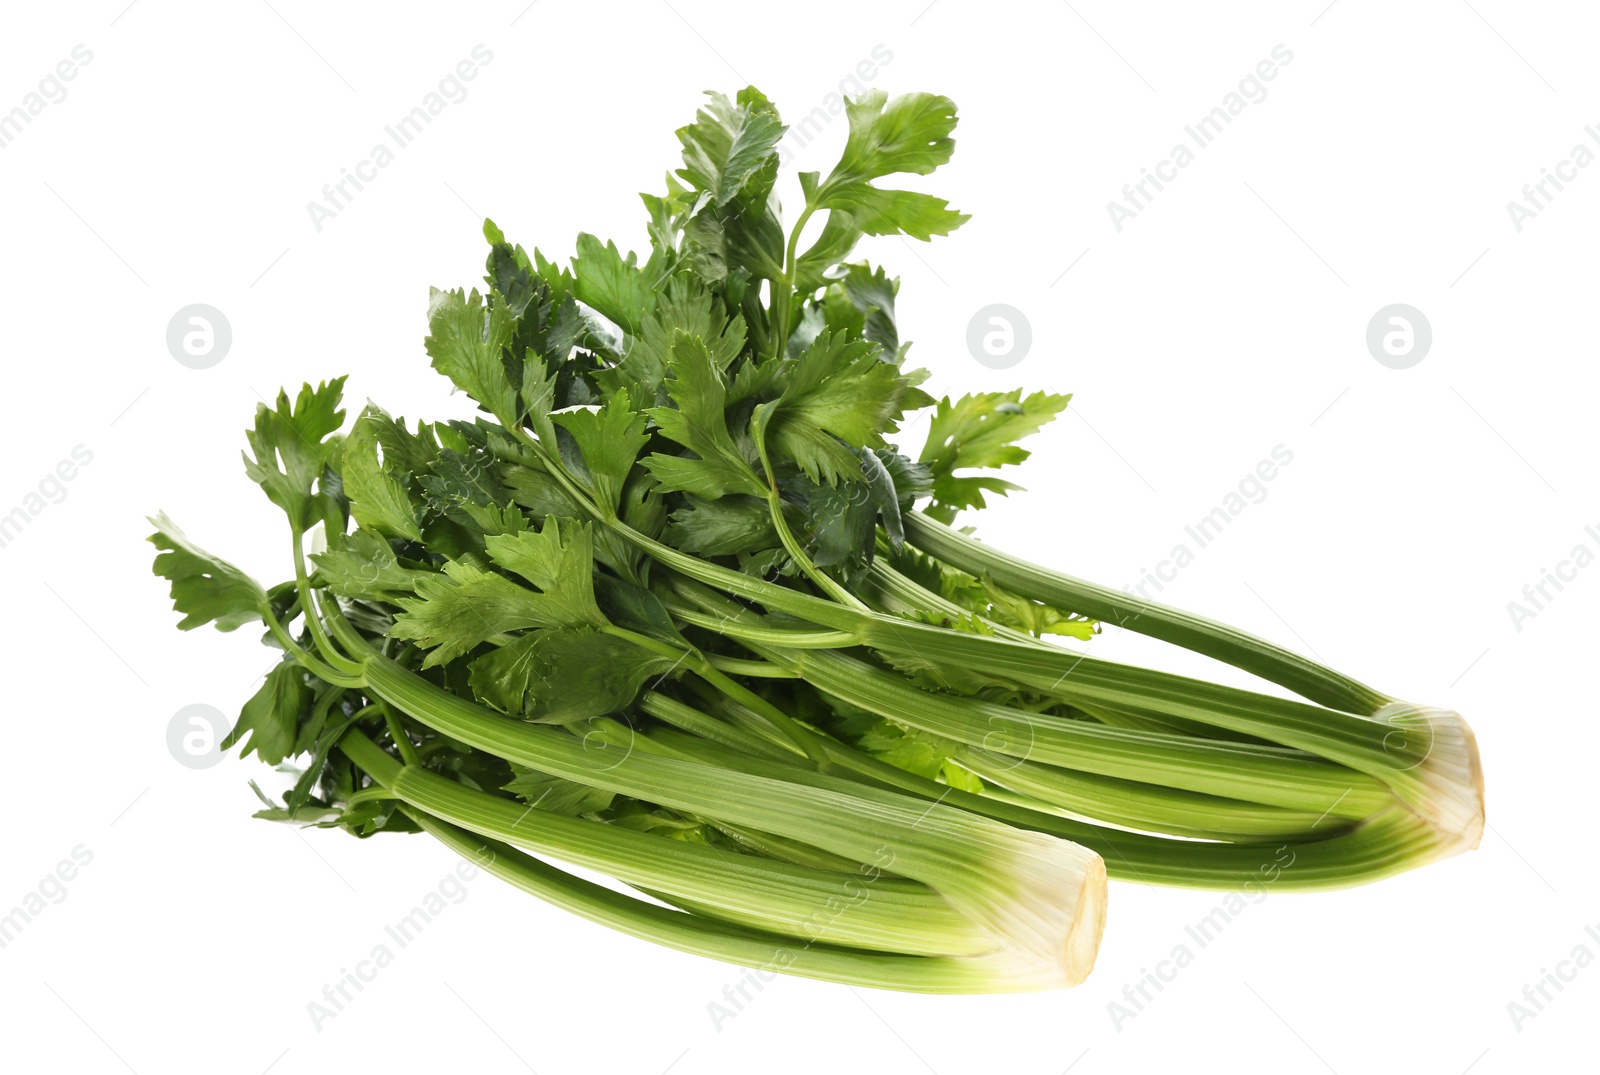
x=1444 y=788
x=1051 y=921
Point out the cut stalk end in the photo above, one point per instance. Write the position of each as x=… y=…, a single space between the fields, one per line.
x=1088 y=924
x=1444 y=785
x=1053 y=914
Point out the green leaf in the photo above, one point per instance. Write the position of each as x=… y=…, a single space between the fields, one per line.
x=365 y=568
x=566 y=674
x=698 y=421
x=723 y=527
x=952 y=495
x=615 y=286
x=411 y=452
x=727 y=143
x=637 y=609
x=505 y=676
x=837 y=239
x=457 y=478
x=558 y=796
x=981 y=431
x=524 y=281
x=668 y=213
x=840 y=389
x=910 y=749
x=466 y=606
x=291 y=449
x=205 y=588
x=559 y=560
x=271 y=717
x=731 y=158
x=609 y=440
x=909 y=133
x=1036 y=618
x=585 y=674
x=869 y=295
x=684 y=306
x=467 y=340
x=892 y=212
x=379 y=494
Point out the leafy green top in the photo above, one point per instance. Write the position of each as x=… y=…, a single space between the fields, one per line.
x=729 y=392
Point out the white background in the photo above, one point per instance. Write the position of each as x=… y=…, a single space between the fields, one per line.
x=1226 y=319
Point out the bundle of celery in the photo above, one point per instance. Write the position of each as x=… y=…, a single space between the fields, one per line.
x=669 y=610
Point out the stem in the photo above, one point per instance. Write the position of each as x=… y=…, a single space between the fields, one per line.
x=880 y=914
x=796 y=551
x=307 y=660
x=397 y=732
x=734 y=666
x=708 y=728
x=309 y=610
x=783 y=290
x=1147 y=807
x=788 y=638
x=1130 y=803
x=706 y=670
x=1039 y=897
x=1391 y=842
x=766 y=952
x=1367 y=745
x=1238 y=648
x=791 y=545
x=1271 y=775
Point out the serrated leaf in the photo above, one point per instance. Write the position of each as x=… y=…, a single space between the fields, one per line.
x=614 y=285
x=541 y=791
x=683 y=306
x=467 y=341
x=289 y=448
x=365 y=568
x=893 y=212
x=566 y=674
x=837 y=391
x=980 y=431
x=909 y=133
x=698 y=421
x=205 y=588
x=723 y=527
x=726 y=144
x=609 y=439
x=559 y=560
x=271 y=718
x=871 y=293
x=464 y=606
x=379 y=494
